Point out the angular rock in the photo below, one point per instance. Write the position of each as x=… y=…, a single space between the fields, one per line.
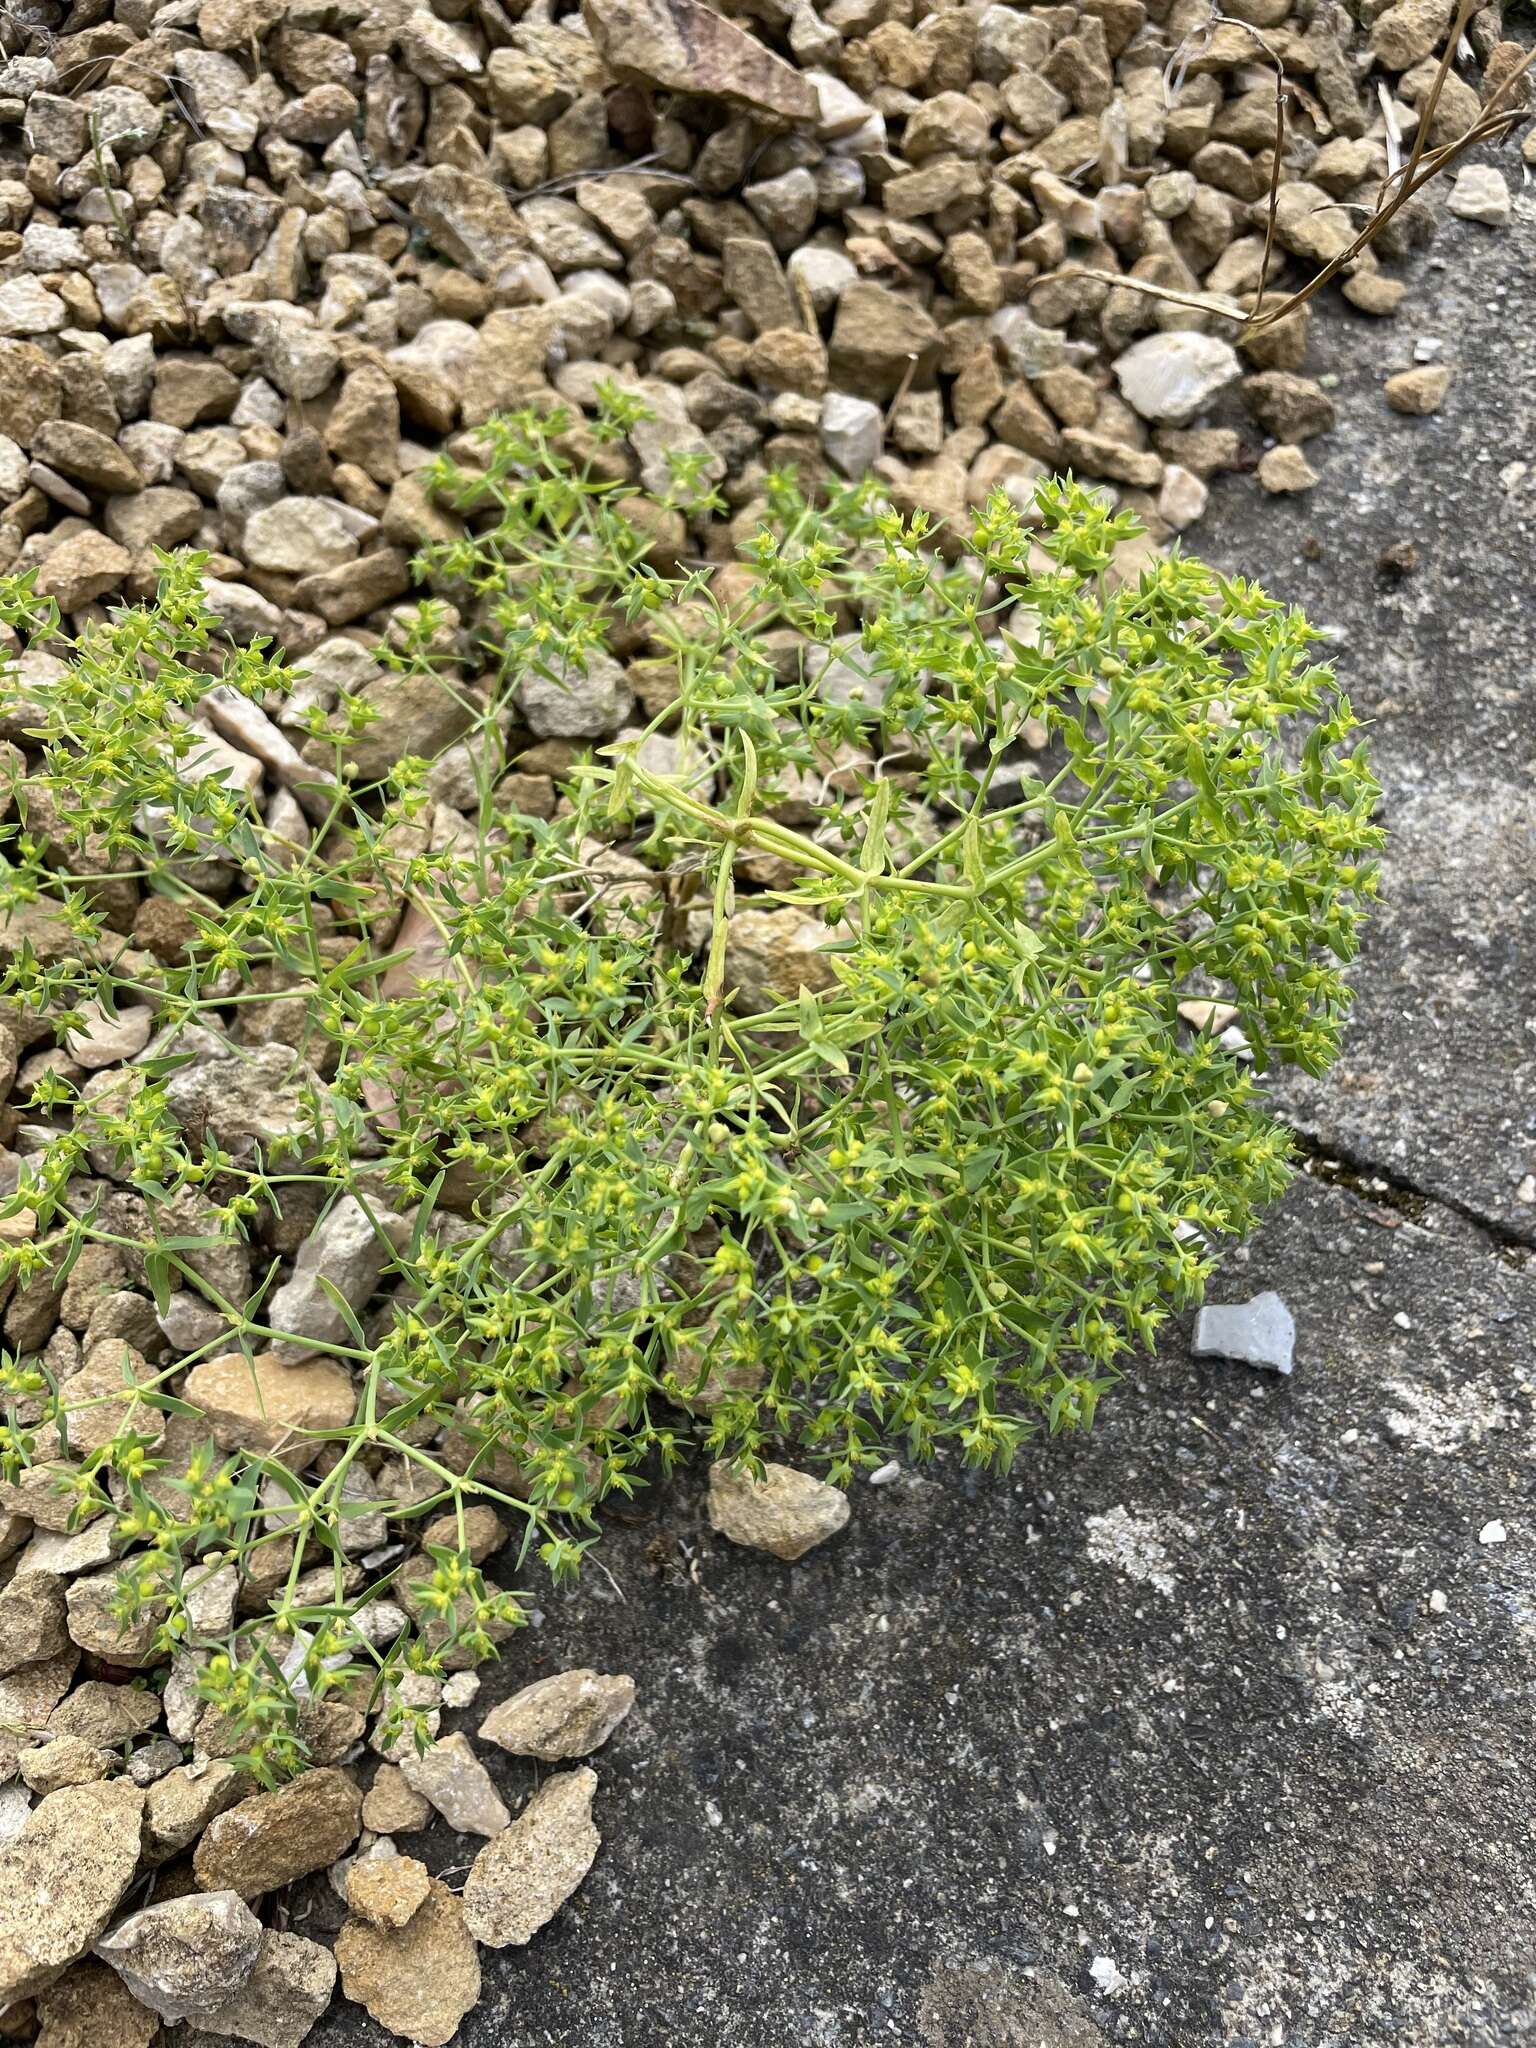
x=78 y=1851
x=1309 y=224
x=1101 y=455
x=1028 y=349
x=190 y=390
x=470 y=220
x=246 y=726
x=1285 y=469
x=524 y=1875
x=785 y=1513
x=257 y=1098
x=429 y=371
x=588 y=705
x=63 y=1760
x=97 y=1627
x=843 y=116
x=880 y=341
x=567 y=1715
x=30 y=390
x=565 y=236
x=364 y=424
x=15 y=1808
x=297 y=536
x=786 y=359
x=852 y=433
x=27 y=307
x=1289 y=407
x=1183 y=497
x=154 y=1760
x=106 y=1715
x=274 y=1837
x=1171 y=377
x=82 y=568
x=786 y=205
x=124 y=121
x=1261 y=1332
x=418 y=715
x=352 y=589
x=27 y=1699
x=106 y=1041
x=349 y=1248
x=295 y=355
x=287 y=1991
x=754 y=281
x=241 y=613
x=686 y=47
x=453 y=1778
x=180 y=1805
x=390 y=1807
x=185 y=1956
x=260 y=1403
x=32 y=1620
x=1420 y=390
x=386 y=1890
x=1409 y=30
x=770 y=955
x=668 y=432
x=418 y=1980
x=823 y=275
x=82 y=452
x=1481 y=193
x=107 y=1381
x=91 y=2007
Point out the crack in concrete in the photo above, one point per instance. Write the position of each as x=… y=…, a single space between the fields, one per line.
x=1397 y=1191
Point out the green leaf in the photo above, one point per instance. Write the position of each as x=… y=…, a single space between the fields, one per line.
x=873 y=853
x=979 y=1167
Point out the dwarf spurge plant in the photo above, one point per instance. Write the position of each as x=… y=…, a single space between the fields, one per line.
x=814 y=1072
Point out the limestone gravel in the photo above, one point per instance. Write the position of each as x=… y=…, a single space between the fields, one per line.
x=184 y=1956
x=567 y=1715
x=386 y=1890
x=418 y=1980
x=61 y=1879
x=458 y=1785
x=390 y=1806
x=180 y=1805
x=1482 y=194
x=525 y=1874
x=91 y=2007
x=786 y=1513
x=63 y=1760
x=272 y=1838
x=288 y=1988
x=1420 y=390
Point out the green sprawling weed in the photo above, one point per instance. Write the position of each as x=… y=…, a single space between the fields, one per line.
x=935 y=1194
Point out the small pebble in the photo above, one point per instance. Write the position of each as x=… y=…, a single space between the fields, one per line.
x=1481 y=194
x=1285 y=471
x=1418 y=391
